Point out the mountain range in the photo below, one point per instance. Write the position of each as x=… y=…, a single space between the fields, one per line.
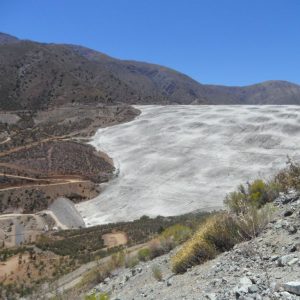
x=38 y=76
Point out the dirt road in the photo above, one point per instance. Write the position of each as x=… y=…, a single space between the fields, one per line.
x=52 y=181
x=28 y=146
x=70 y=280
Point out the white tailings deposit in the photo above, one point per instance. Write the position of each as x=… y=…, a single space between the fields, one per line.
x=177 y=159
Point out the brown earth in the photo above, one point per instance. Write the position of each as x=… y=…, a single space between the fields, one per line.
x=37 y=76
x=115 y=239
x=26 y=268
x=44 y=155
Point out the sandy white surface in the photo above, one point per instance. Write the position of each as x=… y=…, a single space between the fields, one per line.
x=176 y=159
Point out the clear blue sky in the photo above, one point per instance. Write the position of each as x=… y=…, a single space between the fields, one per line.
x=231 y=42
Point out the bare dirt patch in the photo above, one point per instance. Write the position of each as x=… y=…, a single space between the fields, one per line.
x=115 y=239
x=9 y=267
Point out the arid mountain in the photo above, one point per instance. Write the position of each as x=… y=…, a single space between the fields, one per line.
x=36 y=76
x=268 y=92
x=182 y=89
x=7 y=39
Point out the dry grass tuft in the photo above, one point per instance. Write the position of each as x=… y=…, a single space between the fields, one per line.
x=219 y=233
x=156 y=272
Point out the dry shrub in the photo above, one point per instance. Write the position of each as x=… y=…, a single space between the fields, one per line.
x=156 y=272
x=103 y=270
x=167 y=240
x=254 y=220
x=251 y=206
x=289 y=178
x=222 y=232
x=131 y=261
x=117 y=260
x=250 y=210
x=217 y=234
x=95 y=276
x=156 y=248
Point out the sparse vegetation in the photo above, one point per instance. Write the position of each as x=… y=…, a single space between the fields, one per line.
x=288 y=178
x=131 y=261
x=97 y=296
x=250 y=209
x=86 y=244
x=117 y=260
x=157 y=273
x=255 y=194
x=144 y=254
x=95 y=276
x=219 y=233
x=47 y=151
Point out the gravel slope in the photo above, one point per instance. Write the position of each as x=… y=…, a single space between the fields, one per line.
x=259 y=269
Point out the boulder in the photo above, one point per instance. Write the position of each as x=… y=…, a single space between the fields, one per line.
x=292 y=287
x=253 y=289
x=243 y=286
x=288 y=213
x=292 y=229
x=293 y=261
x=284 y=260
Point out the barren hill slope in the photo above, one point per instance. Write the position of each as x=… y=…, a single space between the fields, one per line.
x=178 y=88
x=36 y=76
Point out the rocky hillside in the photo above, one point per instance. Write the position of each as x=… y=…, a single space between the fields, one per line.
x=267 y=267
x=36 y=76
x=7 y=39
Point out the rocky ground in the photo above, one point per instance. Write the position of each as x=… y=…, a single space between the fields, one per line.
x=267 y=267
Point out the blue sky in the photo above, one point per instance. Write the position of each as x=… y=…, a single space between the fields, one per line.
x=231 y=42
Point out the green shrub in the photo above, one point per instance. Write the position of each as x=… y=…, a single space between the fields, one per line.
x=144 y=254
x=178 y=233
x=255 y=194
x=97 y=296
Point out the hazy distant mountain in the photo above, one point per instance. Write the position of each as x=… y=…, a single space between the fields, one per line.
x=35 y=75
x=268 y=92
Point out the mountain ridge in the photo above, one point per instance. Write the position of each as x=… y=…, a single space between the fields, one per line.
x=39 y=75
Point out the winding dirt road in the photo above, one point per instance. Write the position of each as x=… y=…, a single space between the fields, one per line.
x=70 y=280
x=60 y=180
